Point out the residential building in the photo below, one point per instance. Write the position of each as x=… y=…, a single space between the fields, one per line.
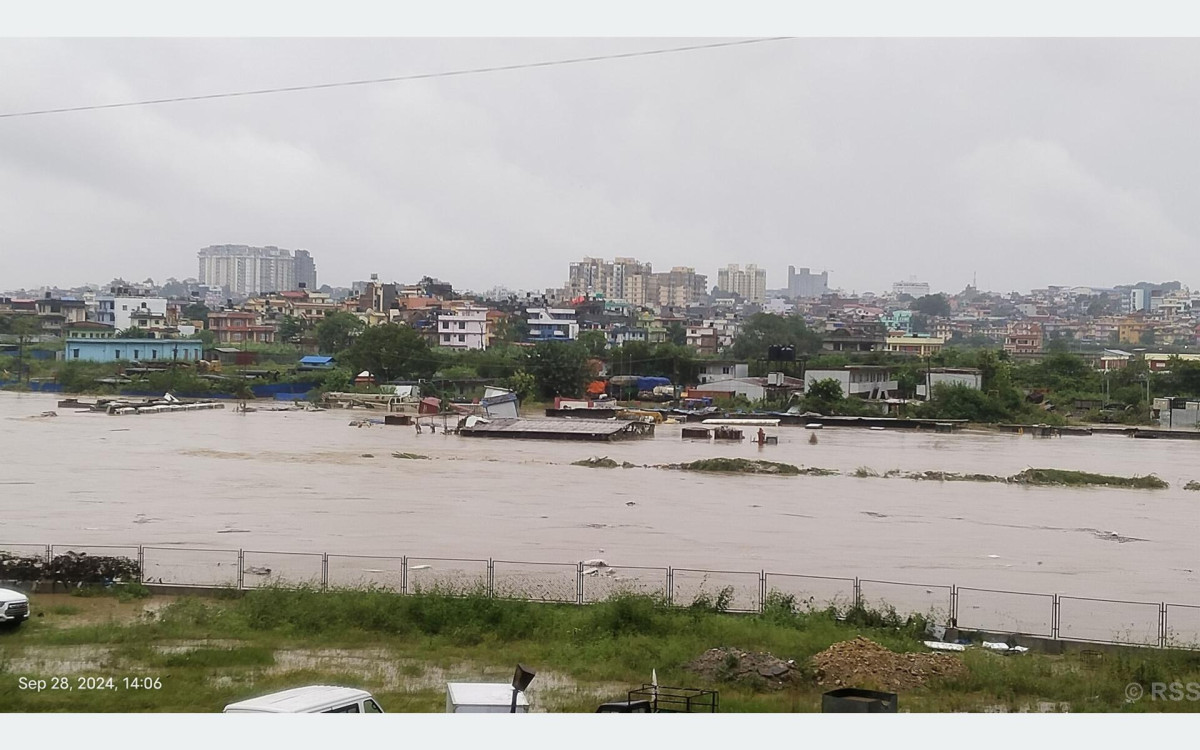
x=305 y=270
x=912 y=288
x=964 y=376
x=862 y=381
x=1023 y=338
x=898 y=320
x=681 y=286
x=1145 y=299
x=235 y=327
x=702 y=339
x=464 y=328
x=55 y=314
x=710 y=372
x=917 y=346
x=117 y=309
x=807 y=285
x=552 y=324
x=622 y=334
x=750 y=283
x=245 y=270
x=116 y=350
x=1132 y=329
x=854 y=336
x=89 y=329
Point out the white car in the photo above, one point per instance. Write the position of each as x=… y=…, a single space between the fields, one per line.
x=14 y=608
x=314 y=699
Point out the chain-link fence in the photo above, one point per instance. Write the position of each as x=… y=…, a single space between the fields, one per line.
x=990 y=610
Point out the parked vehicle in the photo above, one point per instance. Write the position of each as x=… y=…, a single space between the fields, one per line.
x=313 y=699
x=14 y=608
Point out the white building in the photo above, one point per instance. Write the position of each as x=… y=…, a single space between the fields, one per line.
x=464 y=328
x=118 y=311
x=711 y=372
x=552 y=324
x=863 y=381
x=750 y=283
x=911 y=287
x=245 y=270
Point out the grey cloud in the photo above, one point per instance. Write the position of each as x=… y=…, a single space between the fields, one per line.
x=875 y=159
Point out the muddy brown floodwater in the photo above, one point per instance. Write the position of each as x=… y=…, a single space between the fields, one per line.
x=290 y=480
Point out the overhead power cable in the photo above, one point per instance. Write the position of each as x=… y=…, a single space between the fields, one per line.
x=395 y=79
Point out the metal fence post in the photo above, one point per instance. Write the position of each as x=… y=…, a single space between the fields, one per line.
x=324 y=571
x=953 y=605
x=241 y=576
x=857 y=593
x=491 y=578
x=141 y=564
x=1055 y=614
x=1162 y=625
x=49 y=551
x=762 y=591
x=579 y=584
x=670 y=586
x=404 y=574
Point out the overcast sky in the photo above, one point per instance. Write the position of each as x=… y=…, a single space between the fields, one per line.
x=1026 y=162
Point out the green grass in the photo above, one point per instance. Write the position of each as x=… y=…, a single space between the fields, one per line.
x=209 y=652
x=1070 y=478
x=741 y=466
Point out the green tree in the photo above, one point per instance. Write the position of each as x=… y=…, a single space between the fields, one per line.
x=764 y=330
x=593 y=342
x=522 y=383
x=827 y=390
x=933 y=305
x=290 y=328
x=25 y=328
x=338 y=331
x=676 y=333
x=196 y=311
x=208 y=337
x=391 y=351
x=559 y=368
x=132 y=332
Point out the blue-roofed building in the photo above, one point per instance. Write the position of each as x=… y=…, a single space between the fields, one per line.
x=316 y=362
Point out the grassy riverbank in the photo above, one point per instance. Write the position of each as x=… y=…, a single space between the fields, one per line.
x=208 y=652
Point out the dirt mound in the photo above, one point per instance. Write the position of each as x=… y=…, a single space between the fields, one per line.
x=734 y=665
x=864 y=663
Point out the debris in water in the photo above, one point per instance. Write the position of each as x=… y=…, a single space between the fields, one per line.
x=595 y=563
x=419 y=567
x=812 y=439
x=398 y=454
x=366 y=455
x=233 y=531
x=258 y=571
x=631 y=503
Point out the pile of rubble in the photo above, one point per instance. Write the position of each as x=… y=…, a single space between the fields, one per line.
x=735 y=665
x=864 y=663
x=71 y=567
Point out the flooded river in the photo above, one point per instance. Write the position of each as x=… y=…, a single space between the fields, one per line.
x=297 y=481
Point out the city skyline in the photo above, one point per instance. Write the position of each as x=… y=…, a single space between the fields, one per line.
x=1018 y=163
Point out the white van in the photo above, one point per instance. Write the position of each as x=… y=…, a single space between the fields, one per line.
x=314 y=699
x=14 y=608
